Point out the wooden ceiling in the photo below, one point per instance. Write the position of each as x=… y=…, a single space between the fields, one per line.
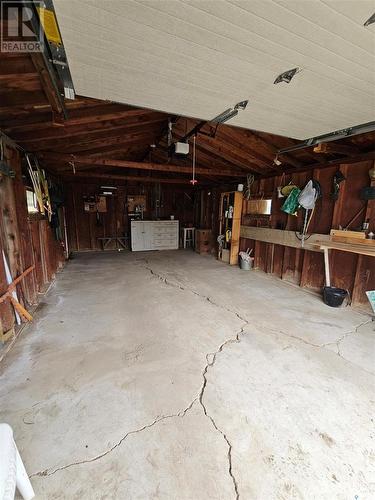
x=103 y=139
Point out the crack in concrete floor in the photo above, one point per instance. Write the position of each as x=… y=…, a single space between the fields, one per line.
x=259 y=326
x=209 y=364
x=50 y=472
x=210 y=359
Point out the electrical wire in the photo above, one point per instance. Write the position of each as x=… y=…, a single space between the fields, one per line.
x=250 y=179
x=193 y=180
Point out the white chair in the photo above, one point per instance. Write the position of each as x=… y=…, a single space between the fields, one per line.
x=12 y=470
x=188 y=236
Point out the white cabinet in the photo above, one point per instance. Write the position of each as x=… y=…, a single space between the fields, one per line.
x=154 y=235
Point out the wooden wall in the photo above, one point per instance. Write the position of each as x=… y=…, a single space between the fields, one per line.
x=84 y=228
x=305 y=268
x=26 y=241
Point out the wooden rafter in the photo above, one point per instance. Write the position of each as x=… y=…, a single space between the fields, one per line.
x=210 y=154
x=84 y=126
x=91 y=130
x=97 y=140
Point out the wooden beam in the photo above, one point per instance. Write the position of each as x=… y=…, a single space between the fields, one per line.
x=283 y=237
x=109 y=177
x=102 y=162
x=25 y=81
x=22 y=99
x=331 y=147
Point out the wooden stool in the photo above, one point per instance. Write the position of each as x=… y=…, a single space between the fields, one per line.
x=188 y=236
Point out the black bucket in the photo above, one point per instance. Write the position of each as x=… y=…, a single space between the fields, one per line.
x=333 y=296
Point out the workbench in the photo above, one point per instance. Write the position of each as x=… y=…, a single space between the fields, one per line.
x=358 y=248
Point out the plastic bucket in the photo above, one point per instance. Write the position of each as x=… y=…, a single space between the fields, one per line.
x=334 y=297
x=246 y=265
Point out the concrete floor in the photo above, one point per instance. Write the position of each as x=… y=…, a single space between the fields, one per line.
x=173 y=376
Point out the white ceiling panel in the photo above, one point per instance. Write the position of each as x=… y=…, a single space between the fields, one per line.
x=199 y=57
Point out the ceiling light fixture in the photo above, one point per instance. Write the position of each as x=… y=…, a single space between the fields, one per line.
x=370 y=20
x=230 y=112
x=287 y=76
x=241 y=105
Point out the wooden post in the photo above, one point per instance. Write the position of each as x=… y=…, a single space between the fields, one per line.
x=326 y=267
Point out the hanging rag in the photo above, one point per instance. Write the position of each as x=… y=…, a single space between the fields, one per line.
x=291 y=203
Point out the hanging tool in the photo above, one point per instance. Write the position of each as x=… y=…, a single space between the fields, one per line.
x=337 y=179
x=40 y=185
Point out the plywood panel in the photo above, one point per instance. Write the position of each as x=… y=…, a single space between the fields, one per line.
x=192 y=58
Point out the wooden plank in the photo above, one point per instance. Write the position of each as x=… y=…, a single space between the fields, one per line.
x=282 y=237
x=12 y=286
x=236 y=224
x=16 y=82
x=348 y=247
x=20 y=309
x=356 y=241
x=22 y=98
x=347 y=234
